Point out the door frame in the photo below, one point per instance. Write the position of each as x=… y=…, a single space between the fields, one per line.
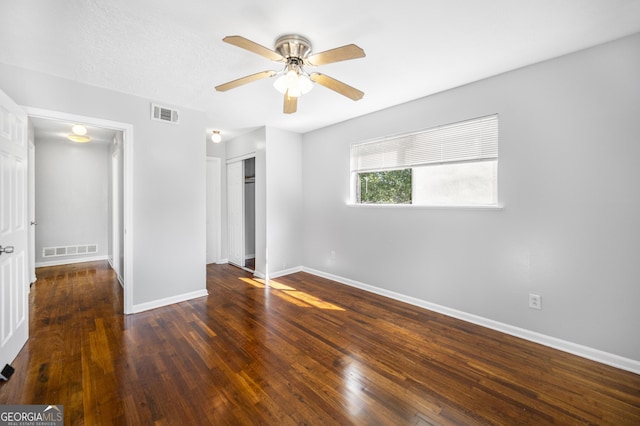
x=31 y=181
x=115 y=237
x=127 y=177
x=239 y=159
x=216 y=162
x=231 y=217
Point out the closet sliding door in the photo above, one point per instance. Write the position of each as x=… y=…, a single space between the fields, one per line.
x=235 y=212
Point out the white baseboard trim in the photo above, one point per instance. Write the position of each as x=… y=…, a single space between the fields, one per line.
x=70 y=261
x=563 y=345
x=168 y=301
x=110 y=260
x=284 y=272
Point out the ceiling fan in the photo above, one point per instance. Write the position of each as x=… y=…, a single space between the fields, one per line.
x=295 y=52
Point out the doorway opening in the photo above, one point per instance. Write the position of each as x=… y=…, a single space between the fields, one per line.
x=250 y=214
x=241 y=212
x=112 y=149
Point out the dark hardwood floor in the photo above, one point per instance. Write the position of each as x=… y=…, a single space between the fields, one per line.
x=303 y=351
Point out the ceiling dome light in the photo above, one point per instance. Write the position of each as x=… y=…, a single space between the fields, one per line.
x=79 y=130
x=216 y=137
x=79 y=138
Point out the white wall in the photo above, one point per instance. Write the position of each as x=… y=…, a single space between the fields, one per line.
x=284 y=200
x=168 y=181
x=219 y=150
x=72 y=197
x=278 y=197
x=568 y=177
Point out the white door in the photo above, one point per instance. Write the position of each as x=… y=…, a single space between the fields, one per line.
x=14 y=259
x=235 y=212
x=213 y=210
x=115 y=213
x=32 y=205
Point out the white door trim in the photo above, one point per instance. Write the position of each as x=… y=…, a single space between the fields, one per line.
x=235 y=213
x=31 y=206
x=216 y=161
x=116 y=226
x=241 y=158
x=127 y=130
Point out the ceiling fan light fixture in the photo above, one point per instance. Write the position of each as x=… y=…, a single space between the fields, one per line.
x=305 y=83
x=286 y=81
x=294 y=82
x=216 y=137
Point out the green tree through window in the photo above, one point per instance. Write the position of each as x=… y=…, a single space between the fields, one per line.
x=386 y=187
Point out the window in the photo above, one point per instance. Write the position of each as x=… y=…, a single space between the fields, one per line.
x=386 y=187
x=451 y=165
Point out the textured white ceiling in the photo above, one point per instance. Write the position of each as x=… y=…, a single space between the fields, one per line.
x=172 y=51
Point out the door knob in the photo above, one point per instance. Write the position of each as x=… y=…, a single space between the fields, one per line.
x=8 y=250
x=33 y=222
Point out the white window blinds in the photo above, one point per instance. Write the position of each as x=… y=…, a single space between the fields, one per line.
x=469 y=140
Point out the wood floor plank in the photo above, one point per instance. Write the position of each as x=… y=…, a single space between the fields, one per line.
x=303 y=350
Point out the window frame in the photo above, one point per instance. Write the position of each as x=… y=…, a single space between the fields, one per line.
x=463 y=144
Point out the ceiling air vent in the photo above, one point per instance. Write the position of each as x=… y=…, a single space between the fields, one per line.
x=161 y=113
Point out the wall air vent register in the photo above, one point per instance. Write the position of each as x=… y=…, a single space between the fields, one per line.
x=69 y=250
x=163 y=113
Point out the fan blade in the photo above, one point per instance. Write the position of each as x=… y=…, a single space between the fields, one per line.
x=290 y=104
x=337 y=86
x=344 y=53
x=244 y=80
x=254 y=47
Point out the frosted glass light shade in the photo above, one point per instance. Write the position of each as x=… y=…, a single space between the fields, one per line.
x=295 y=83
x=305 y=83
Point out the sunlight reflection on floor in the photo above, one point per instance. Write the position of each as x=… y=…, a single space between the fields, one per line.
x=353 y=385
x=292 y=295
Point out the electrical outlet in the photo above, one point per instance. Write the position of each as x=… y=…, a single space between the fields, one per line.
x=332 y=256
x=535 y=301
